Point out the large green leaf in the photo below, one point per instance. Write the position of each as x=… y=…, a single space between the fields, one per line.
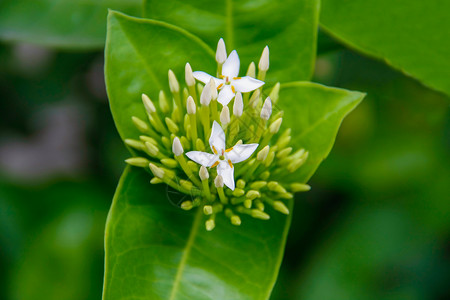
x=154 y=250
x=409 y=35
x=60 y=23
x=139 y=53
x=288 y=27
x=315 y=112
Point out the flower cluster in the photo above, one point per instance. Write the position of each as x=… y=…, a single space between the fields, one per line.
x=247 y=164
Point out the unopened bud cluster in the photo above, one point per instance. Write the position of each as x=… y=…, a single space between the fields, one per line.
x=182 y=120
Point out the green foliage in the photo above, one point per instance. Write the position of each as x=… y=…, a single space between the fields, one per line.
x=156 y=250
x=374 y=226
x=315 y=112
x=139 y=53
x=410 y=36
x=51 y=239
x=67 y=24
x=288 y=27
x=383 y=227
x=153 y=248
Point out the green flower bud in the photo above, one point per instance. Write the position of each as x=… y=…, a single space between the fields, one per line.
x=137 y=162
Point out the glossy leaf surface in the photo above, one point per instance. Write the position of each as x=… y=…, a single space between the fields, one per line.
x=412 y=37
x=139 y=54
x=60 y=23
x=288 y=27
x=315 y=112
x=154 y=249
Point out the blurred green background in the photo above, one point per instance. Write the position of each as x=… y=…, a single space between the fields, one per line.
x=376 y=224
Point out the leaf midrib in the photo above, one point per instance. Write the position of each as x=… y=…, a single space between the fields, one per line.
x=186 y=252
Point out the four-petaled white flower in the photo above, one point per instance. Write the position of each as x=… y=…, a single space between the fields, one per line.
x=222 y=158
x=229 y=83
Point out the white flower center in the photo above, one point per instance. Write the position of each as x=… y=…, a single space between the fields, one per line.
x=221 y=156
x=227 y=81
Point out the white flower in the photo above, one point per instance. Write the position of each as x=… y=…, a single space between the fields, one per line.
x=229 y=82
x=222 y=158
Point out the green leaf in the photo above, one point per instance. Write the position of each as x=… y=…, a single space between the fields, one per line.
x=315 y=112
x=410 y=36
x=155 y=250
x=288 y=27
x=60 y=23
x=139 y=53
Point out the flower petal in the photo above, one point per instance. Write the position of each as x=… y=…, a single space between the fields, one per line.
x=231 y=66
x=246 y=84
x=227 y=172
x=225 y=95
x=241 y=152
x=202 y=158
x=217 y=139
x=205 y=77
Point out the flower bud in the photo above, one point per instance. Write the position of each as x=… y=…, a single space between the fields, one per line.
x=276 y=187
x=173 y=83
x=221 y=52
x=225 y=115
x=264 y=61
x=190 y=106
x=186 y=184
x=158 y=172
x=208 y=210
x=265 y=175
x=145 y=138
x=187 y=205
x=278 y=205
x=266 y=110
x=238 y=192
x=203 y=173
x=173 y=127
x=235 y=220
x=251 y=71
x=213 y=89
x=134 y=144
x=169 y=162
x=254 y=99
x=256 y=185
x=177 y=149
x=256 y=213
x=259 y=205
x=137 y=161
x=210 y=224
x=163 y=103
x=238 y=106
x=275 y=126
x=262 y=154
x=189 y=77
x=205 y=97
x=248 y=203
x=199 y=145
x=274 y=94
x=152 y=149
x=240 y=183
x=148 y=104
x=218 y=182
x=300 y=187
x=141 y=125
x=252 y=194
